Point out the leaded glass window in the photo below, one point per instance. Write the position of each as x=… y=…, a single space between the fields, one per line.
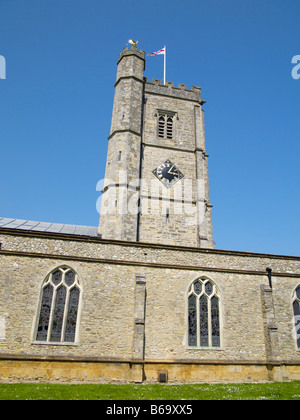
x=296 y=310
x=192 y=321
x=203 y=314
x=58 y=313
x=45 y=313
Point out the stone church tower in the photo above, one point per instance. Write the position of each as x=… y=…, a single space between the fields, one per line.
x=156 y=180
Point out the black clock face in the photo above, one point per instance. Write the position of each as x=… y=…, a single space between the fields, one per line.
x=168 y=174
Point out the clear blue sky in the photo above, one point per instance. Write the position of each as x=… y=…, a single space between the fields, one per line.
x=56 y=105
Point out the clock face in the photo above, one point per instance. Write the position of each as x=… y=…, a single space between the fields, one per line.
x=168 y=174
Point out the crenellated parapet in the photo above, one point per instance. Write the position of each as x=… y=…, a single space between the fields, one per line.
x=133 y=51
x=180 y=92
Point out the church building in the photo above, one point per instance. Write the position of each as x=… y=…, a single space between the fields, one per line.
x=145 y=296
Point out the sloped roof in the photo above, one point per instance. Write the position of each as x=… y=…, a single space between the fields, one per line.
x=48 y=227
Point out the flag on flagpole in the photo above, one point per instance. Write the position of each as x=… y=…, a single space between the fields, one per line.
x=160 y=52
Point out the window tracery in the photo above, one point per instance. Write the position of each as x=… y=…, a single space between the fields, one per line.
x=59 y=306
x=203 y=314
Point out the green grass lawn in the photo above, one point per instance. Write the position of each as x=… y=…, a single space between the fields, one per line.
x=41 y=391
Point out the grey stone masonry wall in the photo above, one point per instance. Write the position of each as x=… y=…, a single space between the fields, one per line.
x=187 y=202
x=134 y=301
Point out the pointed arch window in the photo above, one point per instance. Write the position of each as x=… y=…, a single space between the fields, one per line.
x=296 y=310
x=59 y=307
x=161 y=126
x=203 y=314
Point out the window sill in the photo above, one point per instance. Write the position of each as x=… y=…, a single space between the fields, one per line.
x=53 y=343
x=206 y=348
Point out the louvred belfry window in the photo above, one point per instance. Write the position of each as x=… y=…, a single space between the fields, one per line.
x=59 y=307
x=203 y=315
x=166 y=124
x=161 y=126
x=169 y=128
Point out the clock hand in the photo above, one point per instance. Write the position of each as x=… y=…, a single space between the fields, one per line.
x=173 y=173
x=170 y=171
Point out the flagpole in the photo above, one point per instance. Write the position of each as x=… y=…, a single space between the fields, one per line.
x=165 y=64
